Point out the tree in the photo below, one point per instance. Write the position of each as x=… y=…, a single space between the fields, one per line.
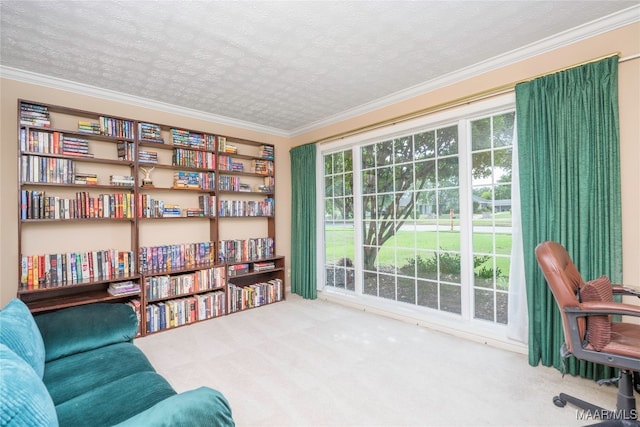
x=393 y=168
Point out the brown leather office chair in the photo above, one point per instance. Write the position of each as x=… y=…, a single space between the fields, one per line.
x=590 y=334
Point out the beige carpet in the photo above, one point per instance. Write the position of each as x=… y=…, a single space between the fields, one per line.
x=317 y=363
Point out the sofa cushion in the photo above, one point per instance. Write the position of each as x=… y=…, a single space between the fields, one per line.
x=599 y=327
x=74 y=375
x=19 y=332
x=200 y=407
x=86 y=327
x=25 y=400
x=116 y=401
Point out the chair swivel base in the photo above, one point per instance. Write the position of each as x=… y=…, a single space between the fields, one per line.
x=626 y=413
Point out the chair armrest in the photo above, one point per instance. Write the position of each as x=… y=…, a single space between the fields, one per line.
x=625 y=290
x=200 y=407
x=87 y=327
x=604 y=308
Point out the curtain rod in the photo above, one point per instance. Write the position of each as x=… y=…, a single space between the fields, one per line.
x=485 y=94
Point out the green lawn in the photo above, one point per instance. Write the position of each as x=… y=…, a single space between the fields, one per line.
x=339 y=243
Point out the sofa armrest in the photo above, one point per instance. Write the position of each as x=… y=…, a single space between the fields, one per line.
x=203 y=406
x=87 y=327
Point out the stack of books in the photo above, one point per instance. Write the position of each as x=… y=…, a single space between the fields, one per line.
x=150 y=133
x=34 y=115
x=123 y=288
x=237 y=269
x=148 y=157
x=266 y=152
x=122 y=180
x=72 y=146
x=86 y=178
x=89 y=127
x=264 y=266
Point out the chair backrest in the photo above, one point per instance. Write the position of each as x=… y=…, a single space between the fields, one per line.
x=564 y=279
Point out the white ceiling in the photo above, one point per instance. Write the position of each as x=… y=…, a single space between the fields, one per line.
x=284 y=67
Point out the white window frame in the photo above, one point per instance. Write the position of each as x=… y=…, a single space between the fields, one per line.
x=463 y=324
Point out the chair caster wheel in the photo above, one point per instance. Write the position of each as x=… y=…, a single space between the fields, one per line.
x=560 y=403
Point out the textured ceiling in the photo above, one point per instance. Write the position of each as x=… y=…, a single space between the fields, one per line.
x=282 y=65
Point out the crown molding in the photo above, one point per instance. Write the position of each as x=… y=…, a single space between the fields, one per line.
x=588 y=30
x=109 y=95
x=565 y=38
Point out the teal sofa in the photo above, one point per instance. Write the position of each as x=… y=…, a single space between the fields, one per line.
x=79 y=367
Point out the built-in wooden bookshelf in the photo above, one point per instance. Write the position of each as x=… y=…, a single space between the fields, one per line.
x=98 y=195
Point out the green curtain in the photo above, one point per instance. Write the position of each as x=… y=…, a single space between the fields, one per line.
x=303 y=221
x=569 y=159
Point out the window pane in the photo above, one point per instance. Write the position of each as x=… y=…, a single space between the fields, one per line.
x=503 y=127
x=481 y=134
x=424 y=145
x=427 y=294
x=348 y=184
x=403 y=148
x=338 y=185
x=328 y=186
x=448 y=172
x=407 y=289
x=384 y=153
x=425 y=174
x=369 y=181
x=368 y=154
x=450 y=298
x=370 y=283
x=328 y=168
x=338 y=163
x=447 y=141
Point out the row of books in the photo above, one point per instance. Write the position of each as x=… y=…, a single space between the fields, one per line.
x=35 y=204
x=266 y=152
x=116 y=127
x=185 y=138
x=89 y=127
x=157 y=287
x=167 y=258
x=194 y=159
x=264 y=266
x=46 y=170
x=246 y=250
x=225 y=147
x=123 y=288
x=262 y=167
x=150 y=132
x=36 y=141
x=53 y=270
x=229 y=183
x=148 y=157
x=34 y=115
x=246 y=207
x=178 y=312
x=126 y=150
x=238 y=269
x=82 y=178
x=121 y=180
x=243 y=297
x=228 y=163
x=148 y=207
x=207 y=204
x=195 y=180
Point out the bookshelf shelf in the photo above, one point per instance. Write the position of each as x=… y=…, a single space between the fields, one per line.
x=92 y=175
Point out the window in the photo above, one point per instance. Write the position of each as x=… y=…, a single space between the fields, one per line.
x=338 y=221
x=423 y=217
x=491 y=153
x=410 y=198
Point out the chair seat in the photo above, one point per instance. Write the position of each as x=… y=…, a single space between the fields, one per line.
x=625 y=340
